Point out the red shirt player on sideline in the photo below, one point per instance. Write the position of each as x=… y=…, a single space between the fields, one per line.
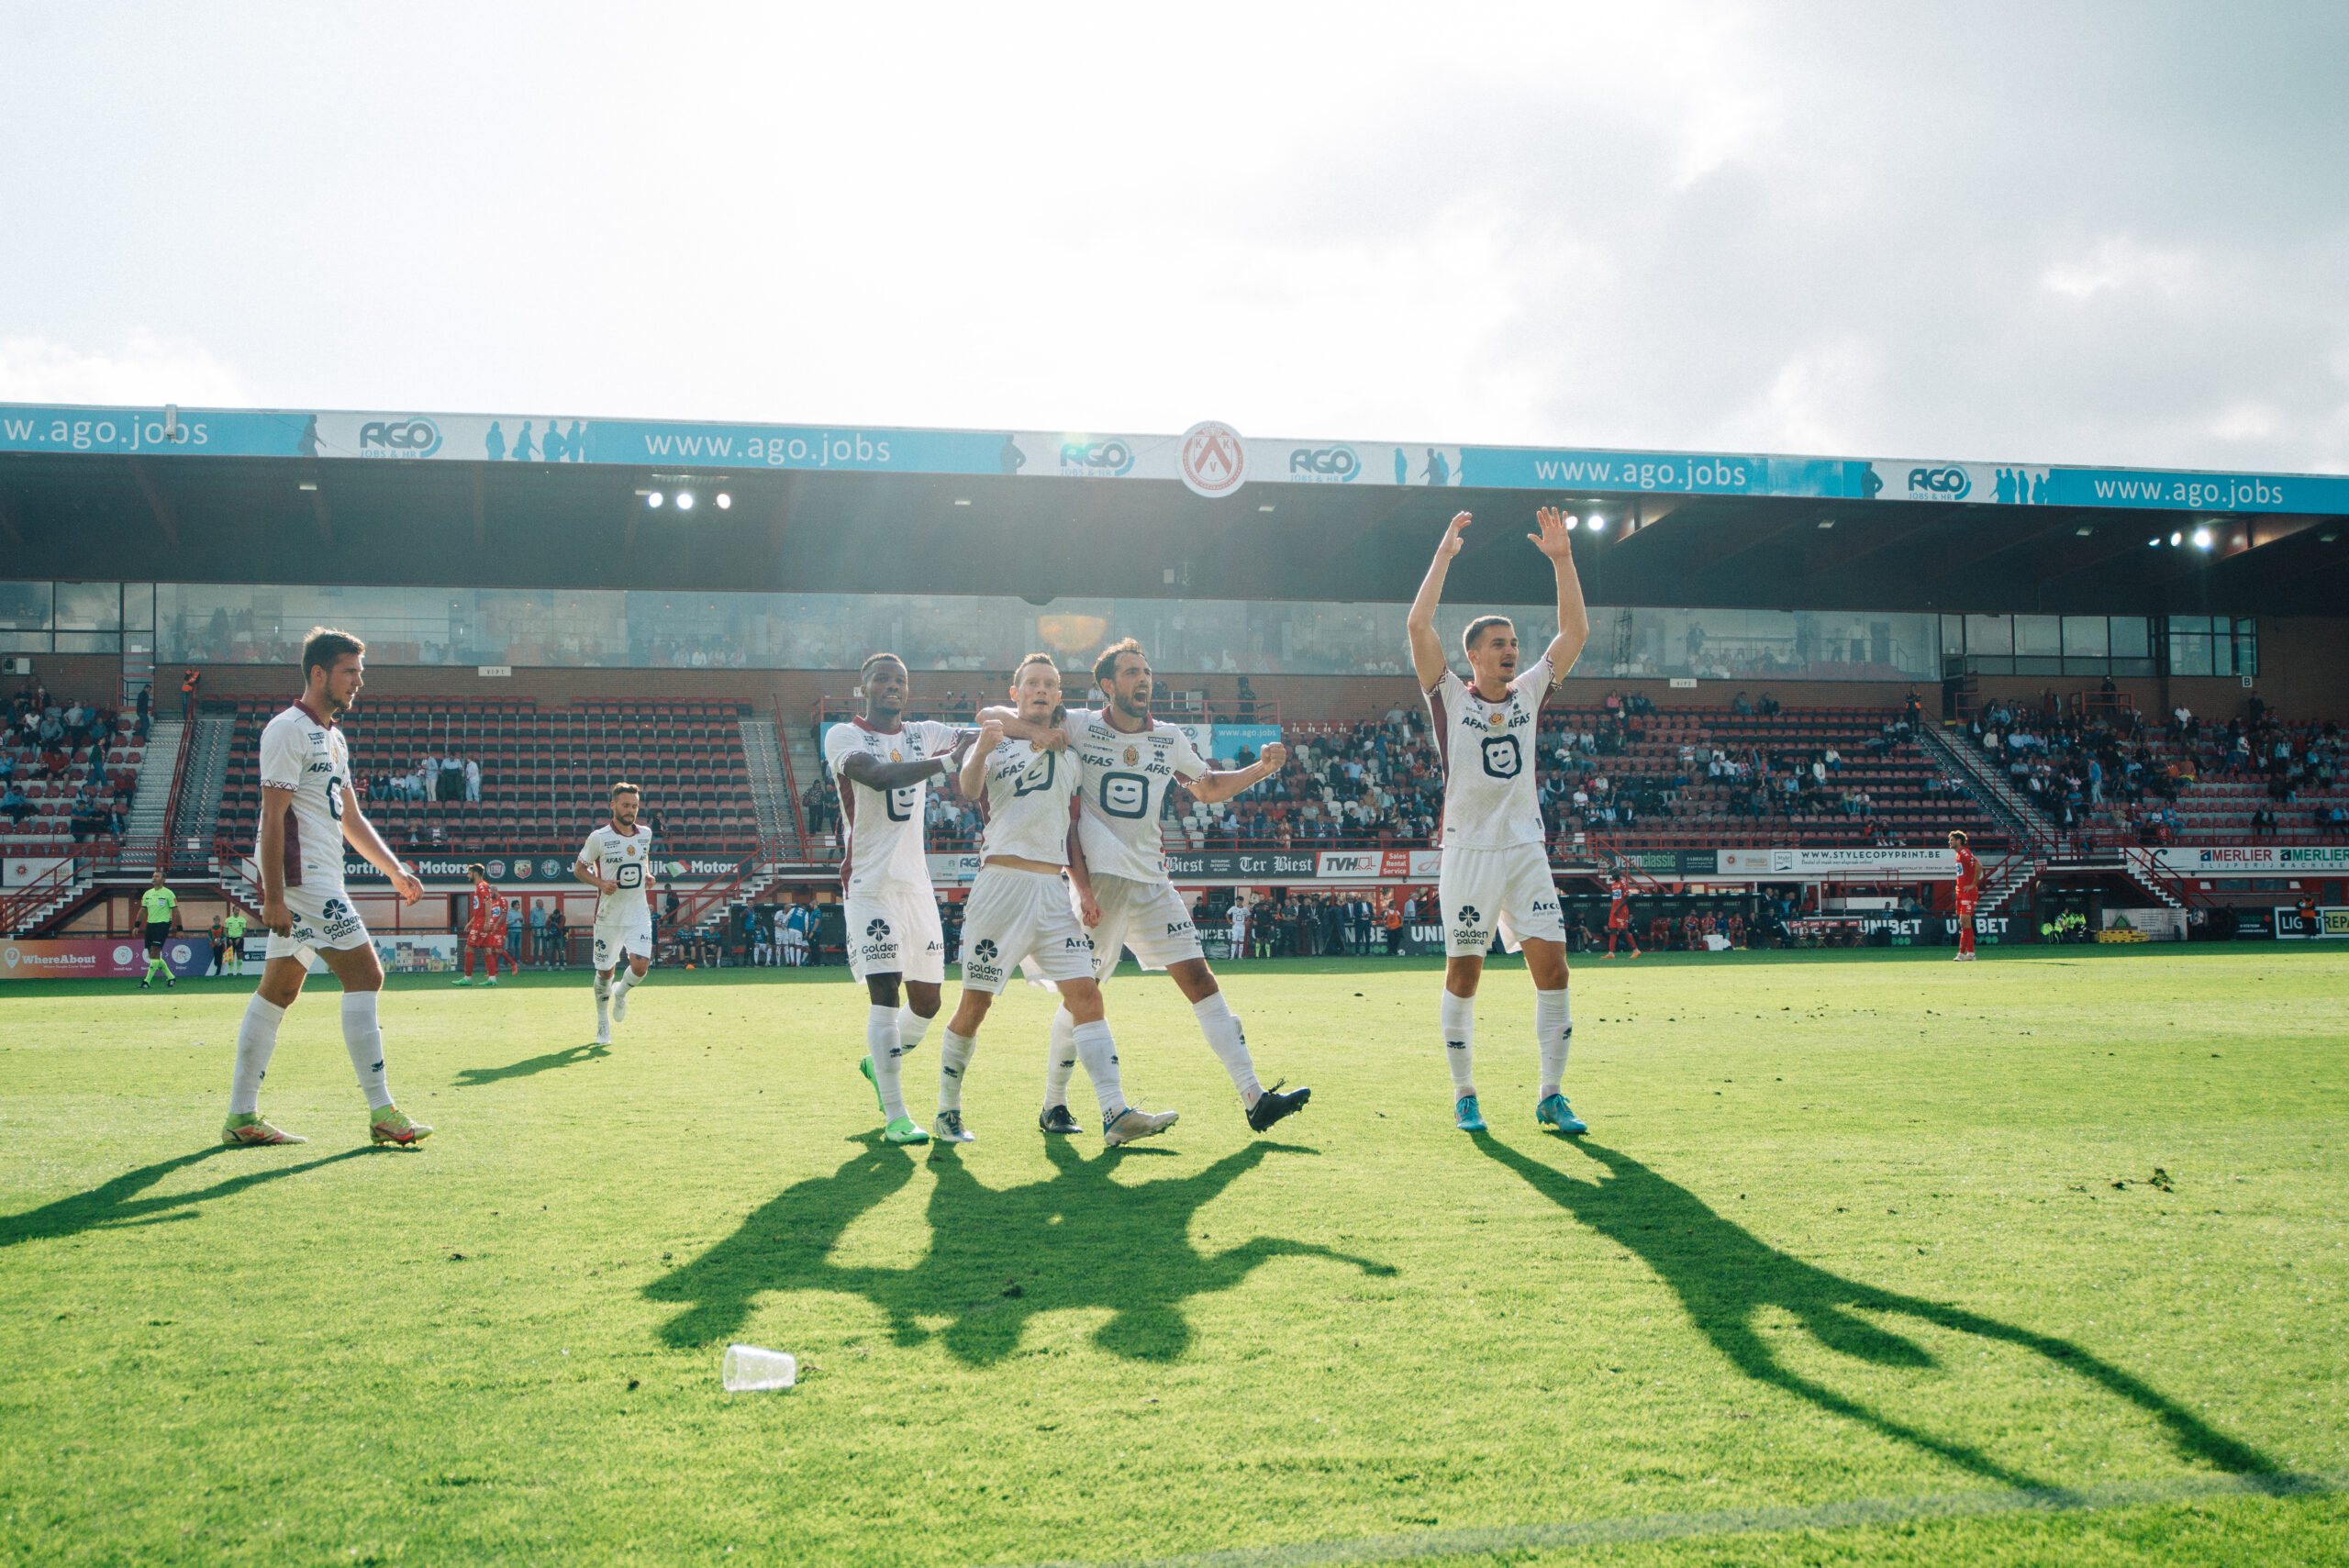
x=1619 y=916
x=1969 y=888
x=485 y=931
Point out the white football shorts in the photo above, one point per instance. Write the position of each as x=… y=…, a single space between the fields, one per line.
x=631 y=936
x=1510 y=885
x=896 y=932
x=1148 y=917
x=1014 y=915
x=323 y=917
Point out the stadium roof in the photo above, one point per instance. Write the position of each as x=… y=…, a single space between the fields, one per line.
x=297 y=495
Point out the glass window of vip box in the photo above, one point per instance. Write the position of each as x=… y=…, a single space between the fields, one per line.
x=2213 y=645
x=89 y=617
x=27 y=616
x=2046 y=645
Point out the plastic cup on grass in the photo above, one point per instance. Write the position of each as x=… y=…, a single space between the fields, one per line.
x=749 y=1370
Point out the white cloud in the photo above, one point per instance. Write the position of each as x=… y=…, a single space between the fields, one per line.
x=2119 y=265
x=141 y=369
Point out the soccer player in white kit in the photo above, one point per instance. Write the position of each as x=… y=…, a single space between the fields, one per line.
x=616 y=862
x=308 y=811
x=882 y=766
x=1496 y=866
x=1119 y=884
x=1019 y=909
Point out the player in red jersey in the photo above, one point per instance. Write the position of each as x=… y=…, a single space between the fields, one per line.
x=1969 y=888
x=1618 y=917
x=485 y=931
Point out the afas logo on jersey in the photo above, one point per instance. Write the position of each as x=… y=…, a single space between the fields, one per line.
x=399 y=437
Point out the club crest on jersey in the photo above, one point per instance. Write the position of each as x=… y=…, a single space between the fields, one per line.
x=896 y=756
x=1496 y=720
x=1133 y=755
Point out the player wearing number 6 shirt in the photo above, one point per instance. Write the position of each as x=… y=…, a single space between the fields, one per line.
x=882 y=766
x=616 y=862
x=1019 y=909
x=1495 y=868
x=1119 y=884
x=309 y=812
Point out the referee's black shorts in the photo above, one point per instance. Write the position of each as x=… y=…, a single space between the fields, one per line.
x=158 y=932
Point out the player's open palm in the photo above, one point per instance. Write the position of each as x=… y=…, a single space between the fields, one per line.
x=1452 y=541
x=1554 y=540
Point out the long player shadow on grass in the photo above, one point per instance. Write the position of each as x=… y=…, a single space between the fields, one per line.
x=1725 y=1276
x=1078 y=1239
x=117 y=1204
x=571 y=1056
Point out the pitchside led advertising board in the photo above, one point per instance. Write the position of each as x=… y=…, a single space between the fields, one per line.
x=1213 y=460
x=98 y=958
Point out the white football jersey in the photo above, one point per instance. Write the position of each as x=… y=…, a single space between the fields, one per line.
x=302 y=753
x=627 y=858
x=1027 y=793
x=1489 y=800
x=1126 y=779
x=886 y=852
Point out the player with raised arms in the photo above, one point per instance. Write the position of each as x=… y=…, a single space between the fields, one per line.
x=1495 y=866
x=882 y=766
x=1120 y=886
x=1019 y=909
x=485 y=928
x=616 y=862
x=1969 y=890
x=309 y=812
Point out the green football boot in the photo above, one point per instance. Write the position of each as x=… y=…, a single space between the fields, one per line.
x=392 y=1125
x=246 y=1130
x=903 y=1130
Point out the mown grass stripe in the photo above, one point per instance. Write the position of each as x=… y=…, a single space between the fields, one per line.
x=1731 y=1521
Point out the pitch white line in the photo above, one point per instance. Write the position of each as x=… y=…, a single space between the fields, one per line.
x=1732 y=1521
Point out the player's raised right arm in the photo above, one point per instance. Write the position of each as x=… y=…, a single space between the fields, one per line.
x=1427 y=649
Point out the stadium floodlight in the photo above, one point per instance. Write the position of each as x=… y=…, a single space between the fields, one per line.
x=2155 y=543
x=1573 y=522
x=1596 y=523
x=684 y=500
x=723 y=501
x=1266 y=508
x=654 y=498
x=2201 y=539
x=2176 y=539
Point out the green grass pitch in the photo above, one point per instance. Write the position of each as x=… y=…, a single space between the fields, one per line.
x=1863 y=1254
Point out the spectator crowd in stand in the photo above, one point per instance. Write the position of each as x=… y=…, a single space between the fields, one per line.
x=2112 y=769
x=47 y=742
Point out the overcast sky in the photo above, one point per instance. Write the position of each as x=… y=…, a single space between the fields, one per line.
x=2113 y=233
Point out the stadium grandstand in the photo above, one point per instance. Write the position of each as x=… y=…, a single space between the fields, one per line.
x=1803 y=672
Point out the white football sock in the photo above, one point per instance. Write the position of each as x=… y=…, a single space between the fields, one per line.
x=364 y=1040
x=256 y=1041
x=1459 y=1016
x=1553 y=1031
x=881 y=1044
x=911 y=1026
x=1221 y=1027
x=1060 y=1065
x=1099 y=1055
x=953 y=1055
x=603 y=1004
x=627 y=979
